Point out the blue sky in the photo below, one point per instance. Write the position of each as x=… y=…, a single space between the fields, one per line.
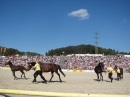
x=42 y=25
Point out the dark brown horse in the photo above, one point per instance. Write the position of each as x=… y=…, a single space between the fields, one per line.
x=119 y=75
x=49 y=67
x=98 y=70
x=16 y=68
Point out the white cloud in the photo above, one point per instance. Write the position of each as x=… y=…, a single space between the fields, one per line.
x=81 y=13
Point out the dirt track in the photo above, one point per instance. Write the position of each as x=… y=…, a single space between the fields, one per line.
x=72 y=83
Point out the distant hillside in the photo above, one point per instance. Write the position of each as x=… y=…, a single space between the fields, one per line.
x=82 y=49
x=79 y=49
x=11 y=51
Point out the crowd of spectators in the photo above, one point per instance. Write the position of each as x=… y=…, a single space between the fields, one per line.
x=89 y=62
x=72 y=61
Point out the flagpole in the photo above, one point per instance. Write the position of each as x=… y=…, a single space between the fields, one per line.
x=4 y=51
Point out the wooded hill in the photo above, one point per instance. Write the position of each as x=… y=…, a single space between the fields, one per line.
x=79 y=49
x=11 y=51
x=83 y=49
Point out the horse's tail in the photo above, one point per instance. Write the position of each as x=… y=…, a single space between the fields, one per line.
x=61 y=70
x=121 y=72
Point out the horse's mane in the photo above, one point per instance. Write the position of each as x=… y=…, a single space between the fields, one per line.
x=10 y=62
x=99 y=64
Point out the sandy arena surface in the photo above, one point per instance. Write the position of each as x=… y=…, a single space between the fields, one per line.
x=74 y=82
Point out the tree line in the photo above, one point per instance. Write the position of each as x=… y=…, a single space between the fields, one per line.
x=79 y=49
x=83 y=49
x=11 y=52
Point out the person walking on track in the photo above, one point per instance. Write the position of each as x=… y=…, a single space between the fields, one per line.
x=38 y=72
x=109 y=70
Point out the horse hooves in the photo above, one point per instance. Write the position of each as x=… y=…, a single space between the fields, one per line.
x=15 y=78
x=35 y=82
x=98 y=80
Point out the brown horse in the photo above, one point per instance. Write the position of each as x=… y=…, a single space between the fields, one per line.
x=49 y=67
x=99 y=69
x=16 y=68
x=119 y=75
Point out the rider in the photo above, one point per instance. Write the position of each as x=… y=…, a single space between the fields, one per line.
x=38 y=72
x=109 y=70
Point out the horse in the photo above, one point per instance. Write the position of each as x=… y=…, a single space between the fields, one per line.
x=49 y=67
x=98 y=70
x=16 y=68
x=119 y=75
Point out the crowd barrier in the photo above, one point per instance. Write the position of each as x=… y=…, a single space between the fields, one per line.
x=74 y=70
x=66 y=70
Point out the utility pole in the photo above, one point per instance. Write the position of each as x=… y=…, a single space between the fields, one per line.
x=96 y=43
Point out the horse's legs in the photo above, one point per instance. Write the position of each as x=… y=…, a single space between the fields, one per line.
x=52 y=74
x=97 y=76
x=22 y=74
x=14 y=75
x=101 y=76
x=122 y=75
x=40 y=73
x=58 y=75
